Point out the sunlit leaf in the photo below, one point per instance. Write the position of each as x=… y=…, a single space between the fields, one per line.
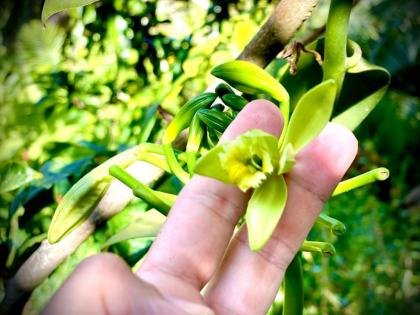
x=311 y=114
x=15 y=175
x=79 y=202
x=54 y=6
x=147 y=225
x=265 y=209
x=372 y=82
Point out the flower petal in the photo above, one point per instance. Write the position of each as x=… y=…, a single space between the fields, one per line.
x=265 y=209
x=311 y=114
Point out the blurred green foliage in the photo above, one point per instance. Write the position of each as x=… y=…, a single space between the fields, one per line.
x=100 y=79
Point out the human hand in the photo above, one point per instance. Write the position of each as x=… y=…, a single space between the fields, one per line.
x=194 y=265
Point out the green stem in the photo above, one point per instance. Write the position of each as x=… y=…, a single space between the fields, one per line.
x=174 y=165
x=293 y=288
x=154 y=159
x=323 y=248
x=380 y=173
x=335 y=50
x=140 y=190
x=336 y=227
x=285 y=110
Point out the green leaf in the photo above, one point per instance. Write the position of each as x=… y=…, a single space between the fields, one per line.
x=54 y=6
x=147 y=225
x=249 y=78
x=265 y=209
x=15 y=175
x=371 y=82
x=79 y=202
x=311 y=114
x=148 y=122
x=210 y=165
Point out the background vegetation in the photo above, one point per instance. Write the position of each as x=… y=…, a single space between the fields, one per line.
x=101 y=79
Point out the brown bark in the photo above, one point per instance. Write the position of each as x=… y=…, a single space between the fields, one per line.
x=287 y=17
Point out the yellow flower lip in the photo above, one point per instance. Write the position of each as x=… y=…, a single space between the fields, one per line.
x=249 y=159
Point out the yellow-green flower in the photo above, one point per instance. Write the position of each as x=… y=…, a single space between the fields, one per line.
x=249 y=159
x=258 y=160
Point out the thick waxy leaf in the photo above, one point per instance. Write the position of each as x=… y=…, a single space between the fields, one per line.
x=147 y=225
x=54 y=6
x=311 y=114
x=377 y=80
x=15 y=175
x=265 y=209
x=249 y=78
x=79 y=202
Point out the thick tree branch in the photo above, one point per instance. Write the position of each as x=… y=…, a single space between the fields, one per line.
x=263 y=48
x=277 y=31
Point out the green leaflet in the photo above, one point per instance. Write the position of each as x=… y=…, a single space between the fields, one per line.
x=377 y=80
x=265 y=209
x=310 y=116
x=183 y=118
x=79 y=202
x=147 y=225
x=54 y=6
x=249 y=78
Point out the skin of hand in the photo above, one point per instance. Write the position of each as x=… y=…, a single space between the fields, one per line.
x=197 y=264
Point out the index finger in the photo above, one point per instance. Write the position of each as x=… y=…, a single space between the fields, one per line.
x=200 y=224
